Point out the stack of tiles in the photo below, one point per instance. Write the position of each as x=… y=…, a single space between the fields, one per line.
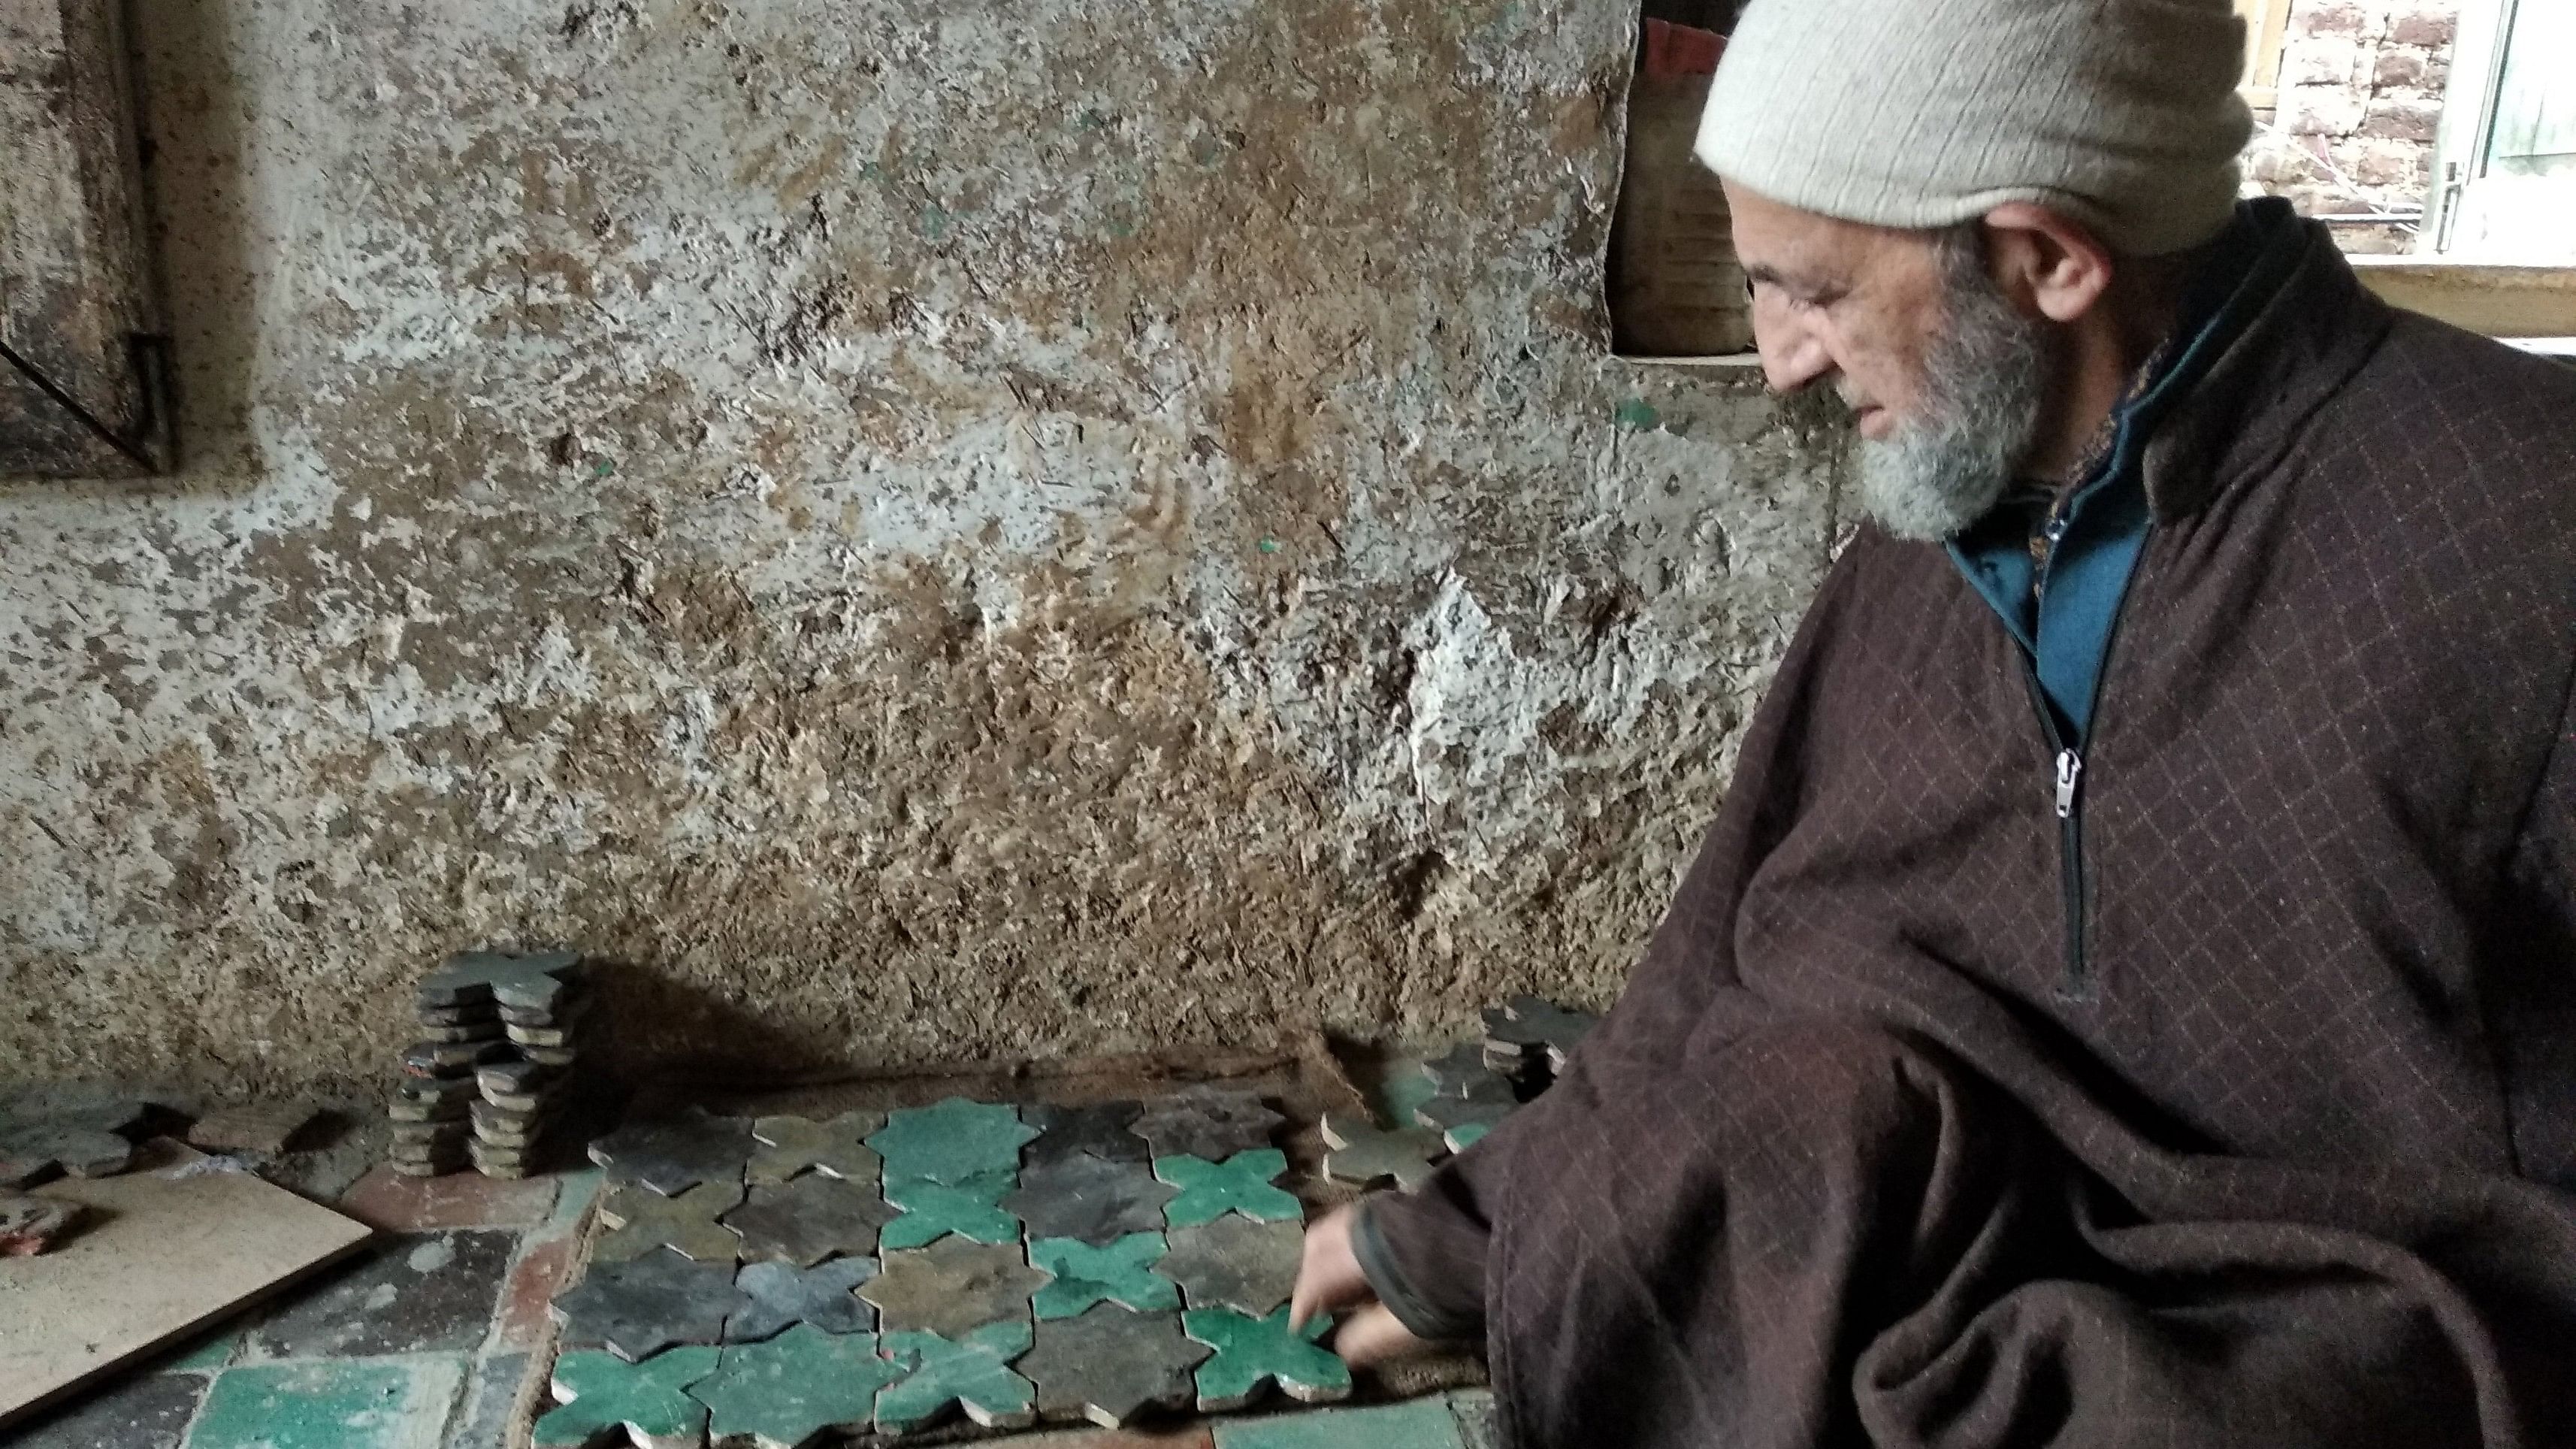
x=475 y=1086
x=541 y=1014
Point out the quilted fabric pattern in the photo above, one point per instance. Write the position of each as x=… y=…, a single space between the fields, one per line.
x=1857 y=1159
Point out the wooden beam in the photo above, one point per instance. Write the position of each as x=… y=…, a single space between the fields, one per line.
x=83 y=351
x=2498 y=301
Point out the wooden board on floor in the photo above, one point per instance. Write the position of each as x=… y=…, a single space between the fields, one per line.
x=166 y=1249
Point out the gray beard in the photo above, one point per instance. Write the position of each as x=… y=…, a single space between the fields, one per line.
x=1985 y=382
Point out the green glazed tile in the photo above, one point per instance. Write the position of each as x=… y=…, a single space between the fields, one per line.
x=952 y=1141
x=1085 y=1276
x=1467 y=1134
x=327 y=1404
x=650 y=1399
x=972 y=1371
x=1405 y=1087
x=970 y=1208
x=1239 y=1184
x=788 y=1390
x=1251 y=1351
x=1421 y=1424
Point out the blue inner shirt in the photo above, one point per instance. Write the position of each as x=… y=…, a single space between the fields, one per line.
x=2062 y=611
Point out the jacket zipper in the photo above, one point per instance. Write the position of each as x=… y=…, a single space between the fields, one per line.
x=2068 y=767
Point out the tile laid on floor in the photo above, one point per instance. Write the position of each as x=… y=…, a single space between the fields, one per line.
x=1421 y=1424
x=148 y=1411
x=415 y=1294
x=638 y=1309
x=482 y=1419
x=383 y=1403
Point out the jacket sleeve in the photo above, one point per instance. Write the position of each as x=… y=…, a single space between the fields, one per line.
x=1427 y=1252
x=1423 y=1250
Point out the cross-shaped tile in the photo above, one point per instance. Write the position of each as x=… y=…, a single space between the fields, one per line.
x=781 y=1294
x=641 y=1221
x=1252 y=1351
x=790 y=1145
x=970 y=1208
x=1240 y=1184
x=1365 y=1153
x=1086 y=1275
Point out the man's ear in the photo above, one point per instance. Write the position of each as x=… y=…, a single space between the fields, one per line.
x=2044 y=262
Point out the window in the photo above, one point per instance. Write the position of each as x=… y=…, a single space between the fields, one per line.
x=2505 y=162
x=1675 y=290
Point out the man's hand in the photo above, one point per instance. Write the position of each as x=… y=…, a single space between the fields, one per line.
x=1330 y=1280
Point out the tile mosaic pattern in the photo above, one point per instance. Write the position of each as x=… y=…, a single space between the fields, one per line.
x=380 y=1355
x=949 y=1243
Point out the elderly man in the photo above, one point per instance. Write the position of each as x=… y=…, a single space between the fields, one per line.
x=2129 y=994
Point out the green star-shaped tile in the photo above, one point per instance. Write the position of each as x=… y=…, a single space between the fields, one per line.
x=602 y=1394
x=1119 y=1272
x=1240 y=1184
x=1250 y=1350
x=786 y=1392
x=972 y=1371
x=952 y=1141
x=970 y=1208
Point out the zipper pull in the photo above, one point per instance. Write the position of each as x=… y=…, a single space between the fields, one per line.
x=2070 y=766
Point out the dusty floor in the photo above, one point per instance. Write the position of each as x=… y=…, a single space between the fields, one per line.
x=431 y=1339
x=426 y=1343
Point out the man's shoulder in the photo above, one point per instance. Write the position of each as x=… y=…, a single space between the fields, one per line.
x=2442 y=424
x=2475 y=394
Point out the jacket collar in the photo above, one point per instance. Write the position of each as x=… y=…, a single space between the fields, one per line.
x=2296 y=326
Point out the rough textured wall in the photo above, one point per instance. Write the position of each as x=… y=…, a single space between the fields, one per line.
x=2360 y=100
x=919 y=529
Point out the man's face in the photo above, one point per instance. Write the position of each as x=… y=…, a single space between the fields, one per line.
x=1946 y=380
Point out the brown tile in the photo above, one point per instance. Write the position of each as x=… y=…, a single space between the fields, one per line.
x=389 y=1200
x=542 y=1268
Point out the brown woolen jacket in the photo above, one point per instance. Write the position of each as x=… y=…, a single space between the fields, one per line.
x=1862 y=1157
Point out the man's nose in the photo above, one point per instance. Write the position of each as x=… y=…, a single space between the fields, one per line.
x=1793 y=355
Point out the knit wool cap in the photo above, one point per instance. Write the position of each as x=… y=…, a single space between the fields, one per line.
x=2123 y=114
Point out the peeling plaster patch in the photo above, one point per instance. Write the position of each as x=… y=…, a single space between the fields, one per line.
x=911 y=536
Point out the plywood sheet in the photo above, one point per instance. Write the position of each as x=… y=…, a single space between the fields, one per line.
x=167 y=1248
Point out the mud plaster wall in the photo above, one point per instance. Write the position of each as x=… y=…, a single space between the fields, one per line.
x=919 y=530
